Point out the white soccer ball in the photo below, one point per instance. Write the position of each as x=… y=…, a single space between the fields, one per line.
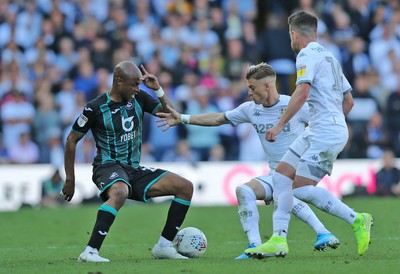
x=190 y=242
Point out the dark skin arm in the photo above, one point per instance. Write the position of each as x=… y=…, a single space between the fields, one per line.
x=151 y=81
x=68 y=190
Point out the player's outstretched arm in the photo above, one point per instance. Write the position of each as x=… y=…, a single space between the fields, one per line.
x=173 y=118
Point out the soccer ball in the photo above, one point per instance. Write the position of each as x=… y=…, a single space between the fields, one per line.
x=190 y=242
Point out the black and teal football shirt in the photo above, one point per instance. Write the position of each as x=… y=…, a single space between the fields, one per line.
x=116 y=127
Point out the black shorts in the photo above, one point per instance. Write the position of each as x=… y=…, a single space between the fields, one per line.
x=138 y=179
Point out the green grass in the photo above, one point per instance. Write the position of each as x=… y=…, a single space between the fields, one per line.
x=49 y=240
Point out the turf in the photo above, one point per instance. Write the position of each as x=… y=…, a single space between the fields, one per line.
x=49 y=240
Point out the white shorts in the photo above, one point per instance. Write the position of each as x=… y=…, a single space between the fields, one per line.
x=266 y=182
x=313 y=155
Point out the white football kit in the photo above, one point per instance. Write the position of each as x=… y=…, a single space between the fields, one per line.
x=263 y=118
x=327 y=133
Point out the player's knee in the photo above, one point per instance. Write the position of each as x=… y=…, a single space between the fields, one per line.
x=186 y=189
x=119 y=194
x=244 y=193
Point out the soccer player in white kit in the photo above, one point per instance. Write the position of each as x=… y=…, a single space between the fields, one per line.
x=321 y=83
x=263 y=112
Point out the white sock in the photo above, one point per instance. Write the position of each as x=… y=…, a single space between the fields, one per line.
x=248 y=213
x=302 y=211
x=163 y=242
x=326 y=201
x=283 y=203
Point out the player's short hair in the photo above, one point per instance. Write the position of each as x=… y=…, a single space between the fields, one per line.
x=260 y=71
x=303 y=22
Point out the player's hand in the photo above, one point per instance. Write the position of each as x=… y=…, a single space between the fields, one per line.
x=68 y=190
x=149 y=80
x=270 y=134
x=168 y=120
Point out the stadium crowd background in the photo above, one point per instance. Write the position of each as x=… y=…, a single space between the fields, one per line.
x=56 y=55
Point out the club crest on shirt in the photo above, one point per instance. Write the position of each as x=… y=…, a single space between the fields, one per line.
x=301 y=70
x=129 y=105
x=82 y=120
x=282 y=111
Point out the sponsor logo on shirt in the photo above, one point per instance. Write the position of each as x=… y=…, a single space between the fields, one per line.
x=113 y=175
x=301 y=70
x=257 y=113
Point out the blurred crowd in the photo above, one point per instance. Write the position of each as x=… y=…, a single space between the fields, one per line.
x=56 y=55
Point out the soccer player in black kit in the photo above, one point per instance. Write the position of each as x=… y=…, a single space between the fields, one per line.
x=115 y=119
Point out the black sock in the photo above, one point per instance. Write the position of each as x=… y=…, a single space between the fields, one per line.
x=176 y=215
x=103 y=223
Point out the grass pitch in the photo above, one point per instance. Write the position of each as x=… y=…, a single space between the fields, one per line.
x=49 y=241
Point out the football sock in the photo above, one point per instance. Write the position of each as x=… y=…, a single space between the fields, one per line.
x=176 y=215
x=248 y=213
x=326 y=201
x=162 y=241
x=283 y=203
x=302 y=211
x=105 y=218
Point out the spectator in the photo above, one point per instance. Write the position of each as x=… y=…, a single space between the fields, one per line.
x=162 y=143
x=51 y=189
x=28 y=23
x=365 y=105
x=385 y=56
x=388 y=177
x=4 y=158
x=376 y=137
x=17 y=116
x=201 y=139
x=86 y=80
x=278 y=54
x=182 y=153
x=25 y=151
x=355 y=60
x=393 y=118
x=47 y=121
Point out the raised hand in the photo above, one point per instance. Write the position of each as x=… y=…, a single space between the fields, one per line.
x=168 y=120
x=149 y=80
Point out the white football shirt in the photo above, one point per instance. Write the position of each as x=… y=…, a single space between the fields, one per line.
x=318 y=67
x=263 y=118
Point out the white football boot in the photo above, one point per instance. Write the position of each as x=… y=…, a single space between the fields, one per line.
x=91 y=255
x=167 y=251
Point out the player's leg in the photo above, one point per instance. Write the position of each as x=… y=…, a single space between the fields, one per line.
x=310 y=171
x=114 y=192
x=247 y=195
x=283 y=203
x=182 y=189
x=324 y=237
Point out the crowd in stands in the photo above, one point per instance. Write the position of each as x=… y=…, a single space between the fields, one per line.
x=56 y=55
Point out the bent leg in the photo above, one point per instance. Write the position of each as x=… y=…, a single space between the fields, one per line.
x=302 y=211
x=247 y=195
x=182 y=189
x=283 y=198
